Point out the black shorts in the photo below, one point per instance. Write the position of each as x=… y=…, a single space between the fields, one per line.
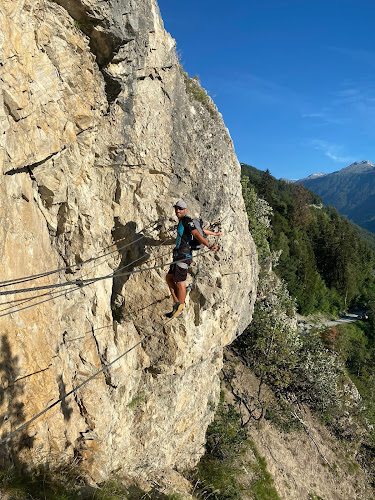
x=180 y=269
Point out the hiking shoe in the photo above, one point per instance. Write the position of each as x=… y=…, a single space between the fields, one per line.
x=176 y=311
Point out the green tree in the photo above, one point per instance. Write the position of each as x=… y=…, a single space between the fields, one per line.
x=301 y=213
x=270 y=343
x=316 y=378
x=353 y=346
x=267 y=186
x=325 y=262
x=258 y=213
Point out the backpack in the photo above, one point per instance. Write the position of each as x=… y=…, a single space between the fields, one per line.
x=195 y=244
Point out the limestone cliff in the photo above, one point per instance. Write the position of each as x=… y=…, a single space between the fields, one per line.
x=100 y=133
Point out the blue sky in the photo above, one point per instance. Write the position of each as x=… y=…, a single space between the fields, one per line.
x=293 y=79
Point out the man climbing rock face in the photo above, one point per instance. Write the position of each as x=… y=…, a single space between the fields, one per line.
x=182 y=255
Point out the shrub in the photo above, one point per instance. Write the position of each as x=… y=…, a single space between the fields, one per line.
x=298 y=368
x=194 y=89
x=259 y=213
x=215 y=475
x=262 y=487
x=317 y=374
x=356 y=345
x=270 y=344
x=352 y=344
x=67 y=483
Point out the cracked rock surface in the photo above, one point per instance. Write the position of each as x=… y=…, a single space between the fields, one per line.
x=99 y=136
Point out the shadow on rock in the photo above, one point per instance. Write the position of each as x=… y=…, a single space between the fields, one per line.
x=12 y=413
x=132 y=249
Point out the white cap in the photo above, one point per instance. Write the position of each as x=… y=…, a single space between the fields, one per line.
x=180 y=204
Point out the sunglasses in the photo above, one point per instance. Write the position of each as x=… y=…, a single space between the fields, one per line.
x=179 y=208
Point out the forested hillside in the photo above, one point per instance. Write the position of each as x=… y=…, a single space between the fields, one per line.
x=327 y=266
x=324 y=260
x=351 y=190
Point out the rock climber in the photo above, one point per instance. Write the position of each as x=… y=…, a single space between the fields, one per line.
x=177 y=274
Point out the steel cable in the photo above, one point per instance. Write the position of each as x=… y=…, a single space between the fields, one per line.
x=80 y=286
x=81 y=283
x=28 y=299
x=32 y=277
x=75 y=389
x=26 y=424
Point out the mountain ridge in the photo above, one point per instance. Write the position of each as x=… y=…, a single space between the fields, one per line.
x=350 y=190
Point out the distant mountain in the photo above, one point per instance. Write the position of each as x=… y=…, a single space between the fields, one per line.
x=312 y=176
x=350 y=190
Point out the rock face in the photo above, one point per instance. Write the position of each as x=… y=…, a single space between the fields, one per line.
x=100 y=133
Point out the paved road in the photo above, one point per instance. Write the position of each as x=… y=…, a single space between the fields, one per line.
x=344 y=320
